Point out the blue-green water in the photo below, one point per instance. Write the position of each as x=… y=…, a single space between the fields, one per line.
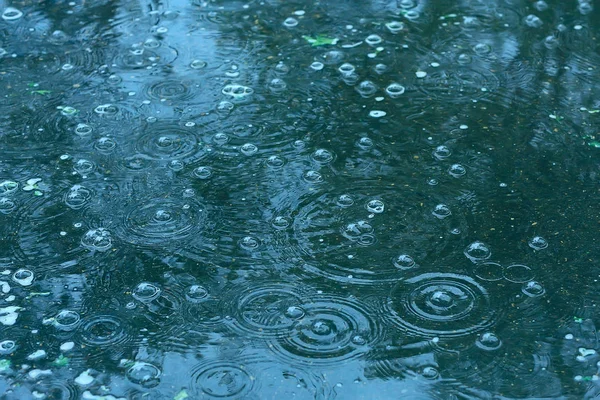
x=299 y=199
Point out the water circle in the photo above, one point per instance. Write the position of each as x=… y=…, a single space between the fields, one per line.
x=275 y=162
x=84 y=167
x=280 y=223
x=312 y=177
x=83 y=129
x=176 y=165
x=23 y=277
x=442 y=152
x=106 y=109
x=249 y=243
x=277 y=85
x=457 y=170
x=551 y=42
x=346 y=69
x=395 y=26
x=248 y=149
x=196 y=293
x=518 y=273
x=66 y=320
x=345 y=200
x=105 y=145
x=395 y=90
x=295 y=312
x=538 y=243
x=198 y=64
x=6 y=205
x=77 y=197
x=282 y=68
x=404 y=261
x=144 y=374
x=365 y=143
x=220 y=138
x=97 y=239
x=489 y=271
x=375 y=206
x=366 y=89
x=8 y=187
x=222 y=381
x=373 y=40
x=533 y=21
x=441 y=211
x=441 y=305
x=355 y=230
x=203 y=172
x=488 y=341
x=477 y=251
x=225 y=106
x=146 y=292
x=377 y=113
x=533 y=289
x=322 y=156
x=102 y=331
x=290 y=22
x=317 y=66
x=430 y=373
x=11 y=14
x=7 y=346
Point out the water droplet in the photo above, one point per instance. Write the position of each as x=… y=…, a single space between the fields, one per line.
x=83 y=129
x=404 y=261
x=533 y=289
x=441 y=211
x=477 y=251
x=277 y=85
x=373 y=40
x=237 y=91
x=533 y=21
x=144 y=374
x=375 y=206
x=249 y=149
x=97 y=239
x=280 y=223
x=346 y=69
x=322 y=156
x=84 y=167
x=538 y=243
x=488 y=341
x=394 y=26
x=11 y=14
x=196 y=293
x=377 y=113
x=66 y=320
x=421 y=74
x=317 y=66
x=430 y=373
x=395 y=90
x=146 y=292
x=294 y=312
x=23 y=277
x=249 y=243
x=290 y=22
x=365 y=143
x=366 y=89
x=457 y=170
x=442 y=152
x=345 y=200
x=275 y=162
x=7 y=346
x=203 y=172
x=312 y=177
x=6 y=205
x=355 y=230
x=198 y=64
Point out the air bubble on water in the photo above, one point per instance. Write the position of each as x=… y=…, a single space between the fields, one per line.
x=540 y=5
x=8 y=187
x=295 y=312
x=67 y=67
x=394 y=26
x=533 y=21
x=551 y=42
x=346 y=69
x=146 y=292
x=83 y=129
x=277 y=85
x=395 y=90
x=421 y=74
x=464 y=59
x=249 y=243
x=377 y=113
x=322 y=156
x=275 y=162
x=375 y=206
x=312 y=176
x=365 y=143
x=404 y=261
x=457 y=170
x=97 y=239
x=248 y=149
x=345 y=200
x=23 y=277
x=7 y=346
x=381 y=68
x=65 y=320
x=442 y=152
x=317 y=66
x=538 y=243
x=373 y=40
x=198 y=64
x=196 y=293
x=533 y=289
x=366 y=89
x=441 y=211
x=488 y=341
x=11 y=14
x=412 y=15
x=237 y=91
x=203 y=172
x=225 y=106
x=477 y=251
x=220 y=138
x=585 y=7
x=290 y=22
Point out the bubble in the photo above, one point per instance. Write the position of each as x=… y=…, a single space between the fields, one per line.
x=290 y=22
x=317 y=66
x=66 y=320
x=280 y=223
x=518 y=273
x=404 y=261
x=23 y=277
x=249 y=243
x=225 y=107
x=114 y=79
x=198 y=64
x=538 y=243
x=421 y=74
x=441 y=305
x=7 y=346
x=299 y=144
x=84 y=167
x=477 y=251
x=6 y=205
x=533 y=289
x=373 y=40
x=355 y=230
x=441 y=211
x=395 y=90
x=282 y=68
x=203 y=172
x=162 y=141
x=540 y=5
x=77 y=197
x=489 y=271
x=488 y=341
x=346 y=69
x=442 y=152
x=220 y=138
x=97 y=239
x=533 y=21
x=366 y=89
x=430 y=373
x=585 y=7
x=8 y=187
x=327 y=333
x=146 y=292
x=377 y=113
x=457 y=170
x=222 y=380
x=322 y=156
x=237 y=91
x=11 y=14
x=394 y=26
x=365 y=143
x=248 y=149
x=275 y=162
x=345 y=200
x=551 y=42
x=432 y=182
x=406 y=4
x=381 y=68
x=482 y=48
x=196 y=293
x=106 y=109
x=83 y=130
x=412 y=15
x=312 y=177
x=277 y=85
x=375 y=206
x=144 y=374
x=464 y=59
x=176 y=165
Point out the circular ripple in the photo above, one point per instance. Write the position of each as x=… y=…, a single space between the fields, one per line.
x=441 y=305
x=160 y=221
x=103 y=331
x=331 y=331
x=166 y=141
x=169 y=90
x=461 y=84
x=77 y=197
x=267 y=311
x=222 y=380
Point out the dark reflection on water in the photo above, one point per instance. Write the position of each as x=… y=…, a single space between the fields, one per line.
x=317 y=200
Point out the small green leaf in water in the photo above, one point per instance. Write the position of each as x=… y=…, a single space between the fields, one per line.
x=319 y=40
x=61 y=361
x=593 y=111
x=42 y=92
x=4 y=365
x=578 y=320
x=38 y=193
x=181 y=395
x=595 y=144
x=33 y=294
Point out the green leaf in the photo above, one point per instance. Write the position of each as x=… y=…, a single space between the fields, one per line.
x=42 y=92
x=578 y=320
x=4 y=365
x=595 y=144
x=181 y=395
x=593 y=111
x=320 y=40
x=61 y=361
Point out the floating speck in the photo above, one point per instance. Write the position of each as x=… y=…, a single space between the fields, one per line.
x=377 y=113
x=421 y=74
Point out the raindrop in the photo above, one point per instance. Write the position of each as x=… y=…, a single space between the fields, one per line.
x=312 y=177
x=105 y=145
x=225 y=106
x=375 y=206
x=538 y=243
x=275 y=162
x=533 y=21
x=441 y=211
x=83 y=129
x=482 y=48
x=464 y=59
x=7 y=346
x=11 y=14
x=488 y=341
x=366 y=89
x=346 y=69
x=457 y=170
x=373 y=40
x=294 y=312
x=66 y=320
x=97 y=239
x=198 y=64
x=146 y=292
x=430 y=373
x=477 y=251
x=23 y=277
x=533 y=289
x=277 y=85
x=8 y=187
x=176 y=165
x=395 y=90
x=355 y=230
x=317 y=66
x=585 y=7
x=442 y=152
x=322 y=156
x=6 y=205
x=290 y=22
x=249 y=149
x=377 y=113
x=237 y=91
x=365 y=143
x=394 y=26
x=540 y=5
x=345 y=201
x=196 y=293
x=518 y=273
x=220 y=138
x=203 y=172
x=551 y=42
x=144 y=374
x=281 y=68
x=249 y=243
x=404 y=261
x=280 y=223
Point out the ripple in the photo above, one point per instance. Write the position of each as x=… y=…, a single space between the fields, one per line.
x=269 y=310
x=489 y=271
x=538 y=243
x=332 y=330
x=461 y=84
x=144 y=374
x=103 y=331
x=488 y=341
x=77 y=197
x=222 y=380
x=162 y=220
x=441 y=305
x=97 y=239
x=166 y=141
x=518 y=273
x=169 y=90
x=477 y=251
